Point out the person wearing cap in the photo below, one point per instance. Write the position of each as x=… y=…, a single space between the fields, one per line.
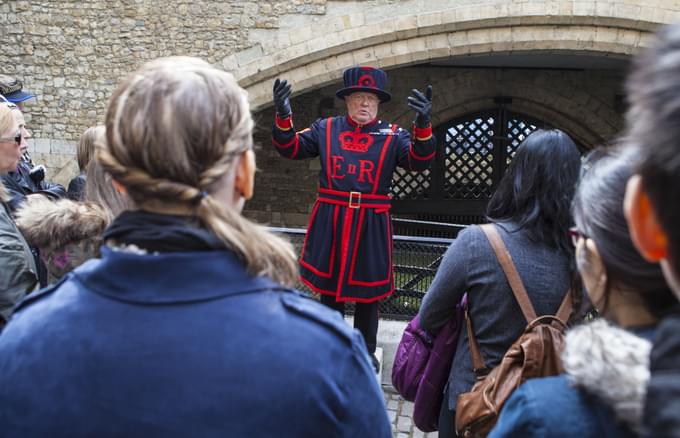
x=12 y=90
x=347 y=253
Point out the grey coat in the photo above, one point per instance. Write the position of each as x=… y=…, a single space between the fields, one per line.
x=17 y=265
x=471 y=265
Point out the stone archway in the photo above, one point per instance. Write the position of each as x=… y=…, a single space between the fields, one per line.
x=314 y=55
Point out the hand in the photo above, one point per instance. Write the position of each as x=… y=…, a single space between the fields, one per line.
x=37 y=174
x=422 y=104
x=282 y=92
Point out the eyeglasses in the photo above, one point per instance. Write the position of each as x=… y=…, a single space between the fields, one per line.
x=16 y=138
x=576 y=235
x=361 y=98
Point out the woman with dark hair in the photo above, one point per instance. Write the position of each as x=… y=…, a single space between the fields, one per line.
x=606 y=361
x=531 y=211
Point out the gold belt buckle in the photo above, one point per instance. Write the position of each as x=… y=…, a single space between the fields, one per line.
x=352 y=197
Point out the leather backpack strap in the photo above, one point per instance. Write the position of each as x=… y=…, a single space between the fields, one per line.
x=478 y=365
x=565 y=308
x=504 y=258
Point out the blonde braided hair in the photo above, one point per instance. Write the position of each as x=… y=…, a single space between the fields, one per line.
x=175 y=132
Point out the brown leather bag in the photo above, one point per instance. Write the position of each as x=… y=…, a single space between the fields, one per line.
x=536 y=353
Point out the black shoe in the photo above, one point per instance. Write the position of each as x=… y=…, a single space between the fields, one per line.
x=375 y=362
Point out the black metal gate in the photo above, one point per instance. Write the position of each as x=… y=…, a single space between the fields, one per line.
x=473 y=153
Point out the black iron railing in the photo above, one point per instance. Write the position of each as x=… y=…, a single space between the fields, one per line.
x=415 y=262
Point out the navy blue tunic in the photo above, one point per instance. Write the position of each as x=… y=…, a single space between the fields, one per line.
x=348 y=248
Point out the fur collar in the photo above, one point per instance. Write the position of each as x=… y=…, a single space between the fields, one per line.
x=51 y=225
x=612 y=364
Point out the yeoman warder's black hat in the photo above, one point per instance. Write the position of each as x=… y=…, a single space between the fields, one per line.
x=366 y=79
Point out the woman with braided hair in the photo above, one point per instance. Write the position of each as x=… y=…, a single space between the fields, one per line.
x=185 y=326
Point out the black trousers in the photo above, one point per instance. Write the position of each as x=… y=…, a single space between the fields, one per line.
x=447 y=419
x=365 y=319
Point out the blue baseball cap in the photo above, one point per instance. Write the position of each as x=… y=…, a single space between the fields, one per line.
x=18 y=96
x=12 y=89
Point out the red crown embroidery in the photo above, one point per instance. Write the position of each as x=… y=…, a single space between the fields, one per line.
x=355 y=141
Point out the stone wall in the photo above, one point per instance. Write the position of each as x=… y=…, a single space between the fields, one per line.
x=72 y=54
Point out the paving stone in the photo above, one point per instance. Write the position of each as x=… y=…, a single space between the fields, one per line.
x=407 y=409
x=404 y=424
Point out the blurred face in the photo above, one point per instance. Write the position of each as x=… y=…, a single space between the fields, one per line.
x=25 y=134
x=362 y=107
x=9 y=148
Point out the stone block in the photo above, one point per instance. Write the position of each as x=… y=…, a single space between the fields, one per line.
x=62 y=147
x=249 y=55
x=41 y=145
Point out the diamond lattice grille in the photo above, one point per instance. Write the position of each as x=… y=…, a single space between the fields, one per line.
x=410 y=185
x=518 y=130
x=468 y=172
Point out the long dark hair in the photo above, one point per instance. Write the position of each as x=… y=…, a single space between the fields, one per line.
x=535 y=195
x=536 y=191
x=598 y=213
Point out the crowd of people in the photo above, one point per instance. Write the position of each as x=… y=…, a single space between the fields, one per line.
x=165 y=312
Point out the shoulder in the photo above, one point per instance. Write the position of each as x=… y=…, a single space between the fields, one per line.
x=471 y=237
x=537 y=408
x=39 y=296
x=319 y=317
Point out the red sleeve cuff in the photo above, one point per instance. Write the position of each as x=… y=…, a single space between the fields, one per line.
x=422 y=134
x=284 y=124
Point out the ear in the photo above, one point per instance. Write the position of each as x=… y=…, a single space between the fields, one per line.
x=645 y=231
x=120 y=188
x=245 y=175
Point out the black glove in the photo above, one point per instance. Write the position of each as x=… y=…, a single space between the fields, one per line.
x=282 y=92
x=37 y=174
x=422 y=104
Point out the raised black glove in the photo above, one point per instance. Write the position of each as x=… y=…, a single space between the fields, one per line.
x=422 y=104
x=37 y=174
x=282 y=90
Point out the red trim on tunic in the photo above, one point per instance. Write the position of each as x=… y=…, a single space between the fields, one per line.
x=361 y=207
x=344 y=299
x=354 y=124
x=382 y=159
x=295 y=140
x=316 y=289
x=417 y=157
x=284 y=124
x=422 y=134
x=350 y=280
x=343 y=193
x=365 y=300
x=346 y=232
x=328 y=151
x=332 y=257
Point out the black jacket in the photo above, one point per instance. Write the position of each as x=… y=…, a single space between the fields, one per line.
x=662 y=407
x=19 y=185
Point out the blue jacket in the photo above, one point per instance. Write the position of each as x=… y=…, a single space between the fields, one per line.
x=599 y=396
x=552 y=407
x=182 y=344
